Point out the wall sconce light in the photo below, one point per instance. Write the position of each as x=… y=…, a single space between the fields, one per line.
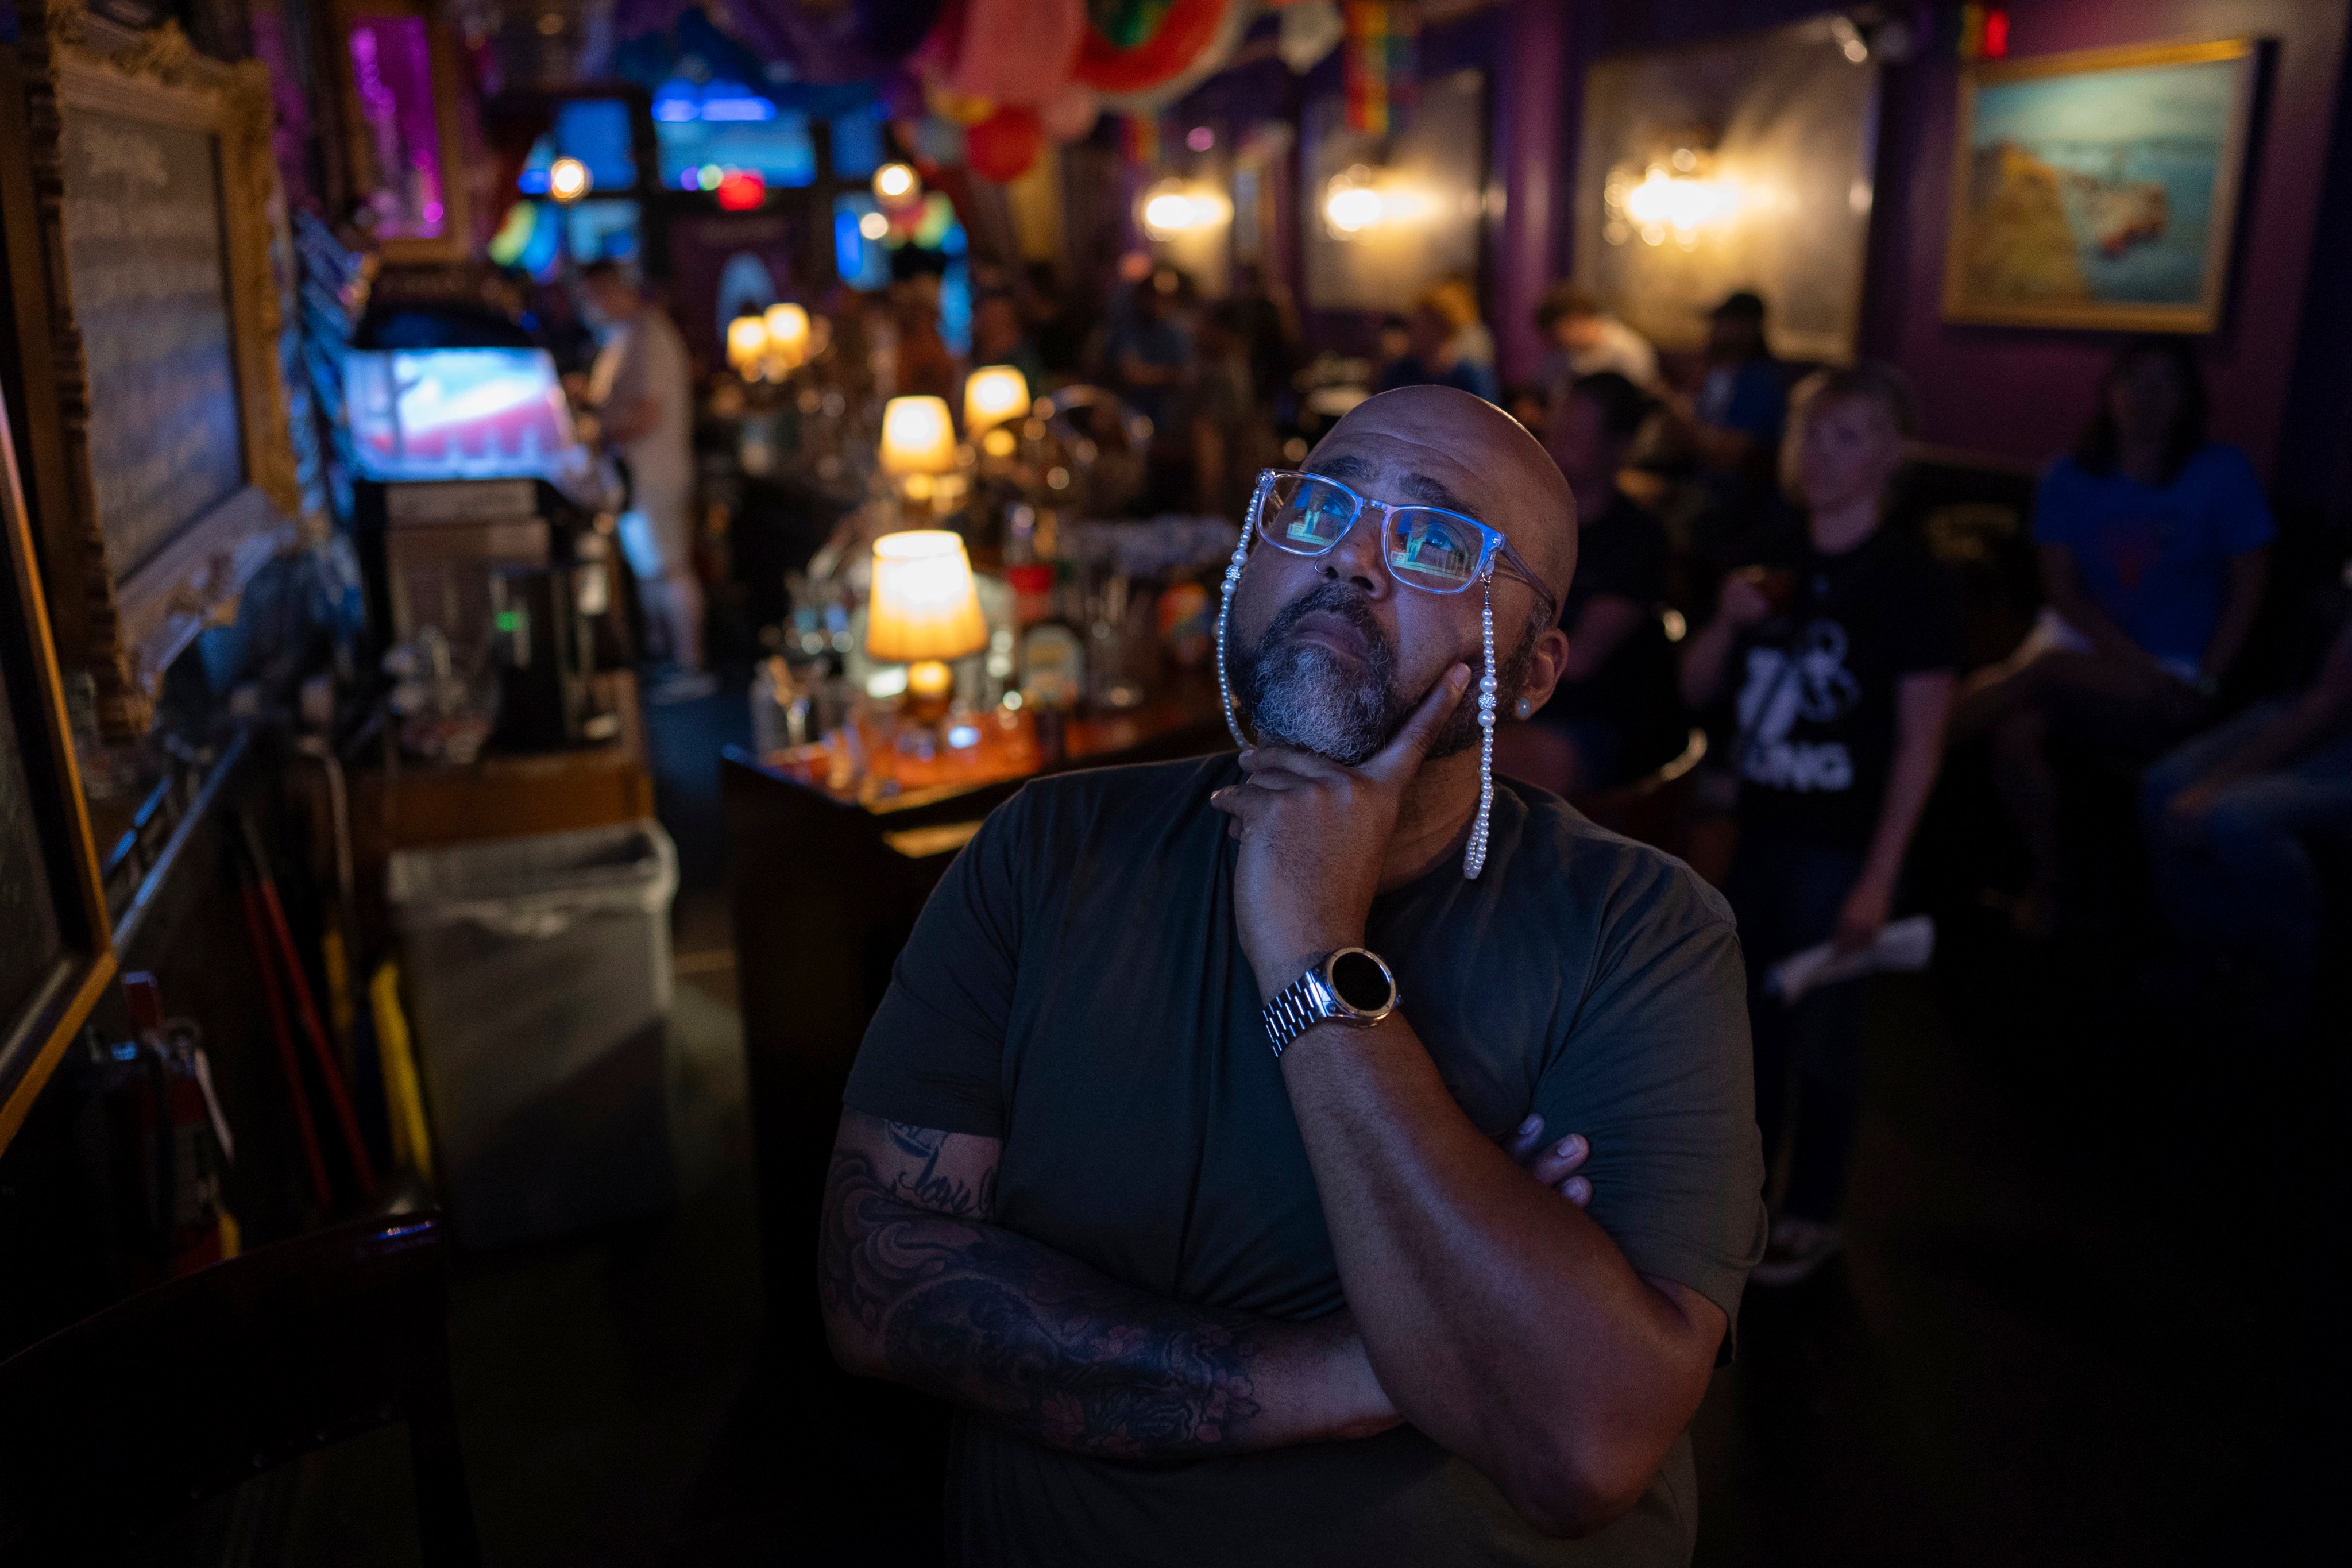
x=1361 y=201
x=1678 y=196
x=1173 y=206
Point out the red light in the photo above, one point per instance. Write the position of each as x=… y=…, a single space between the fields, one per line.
x=1996 y=35
x=740 y=190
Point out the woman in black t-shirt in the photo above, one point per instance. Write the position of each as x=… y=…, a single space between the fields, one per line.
x=1843 y=641
x=1615 y=712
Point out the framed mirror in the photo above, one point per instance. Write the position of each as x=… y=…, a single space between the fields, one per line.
x=146 y=203
x=55 y=951
x=398 y=68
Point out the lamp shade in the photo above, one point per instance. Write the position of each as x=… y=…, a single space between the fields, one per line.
x=917 y=436
x=788 y=335
x=992 y=394
x=924 y=604
x=747 y=344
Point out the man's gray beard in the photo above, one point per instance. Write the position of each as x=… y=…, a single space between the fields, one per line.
x=1303 y=694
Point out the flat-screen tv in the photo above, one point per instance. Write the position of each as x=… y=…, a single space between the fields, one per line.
x=461 y=413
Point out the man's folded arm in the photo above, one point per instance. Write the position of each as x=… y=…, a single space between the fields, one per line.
x=919 y=1287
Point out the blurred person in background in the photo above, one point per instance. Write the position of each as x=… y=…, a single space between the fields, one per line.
x=1270 y=327
x=1587 y=339
x=1150 y=353
x=999 y=336
x=1529 y=403
x=642 y=390
x=1446 y=345
x=1732 y=427
x=2227 y=816
x=1840 y=640
x=924 y=367
x=2154 y=546
x=1056 y=326
x=1220 y=412
x=1616 y=711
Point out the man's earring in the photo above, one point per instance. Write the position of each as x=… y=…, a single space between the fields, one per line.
x=1523 y=708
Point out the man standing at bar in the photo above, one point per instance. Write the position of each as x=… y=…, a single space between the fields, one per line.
x=1189 y=1153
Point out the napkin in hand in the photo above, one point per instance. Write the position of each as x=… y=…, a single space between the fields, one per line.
x=1902 y=945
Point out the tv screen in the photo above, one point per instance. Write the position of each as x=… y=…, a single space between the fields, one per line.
x=459 y=414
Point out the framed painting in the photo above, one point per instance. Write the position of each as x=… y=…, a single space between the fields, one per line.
x=2099 y=189
x=139 y=234
x=54 y=950
x=400 y=86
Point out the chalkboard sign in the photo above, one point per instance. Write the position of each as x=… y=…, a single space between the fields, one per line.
x=143 y=246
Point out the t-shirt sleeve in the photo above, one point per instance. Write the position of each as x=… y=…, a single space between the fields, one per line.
x=1655 y=1071
x=2241 y=512
x=932 y=1055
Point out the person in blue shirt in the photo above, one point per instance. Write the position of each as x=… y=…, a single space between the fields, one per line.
x=2153 y=544
x=1446 y=345
x=1733 y=425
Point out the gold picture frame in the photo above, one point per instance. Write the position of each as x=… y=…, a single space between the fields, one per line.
x=119 y=612
x=56 y=974
x=368 y=177
x=2099 y=188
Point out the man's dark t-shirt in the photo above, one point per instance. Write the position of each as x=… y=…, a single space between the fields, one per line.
x=1075 y=989
x=1816 y=699
x=1622 y=554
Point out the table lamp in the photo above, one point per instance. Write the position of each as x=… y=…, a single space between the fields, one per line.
x=924 y=610
x=788 y=339
x=993 y=395
x=747 y=345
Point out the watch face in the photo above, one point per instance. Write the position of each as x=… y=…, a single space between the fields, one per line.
x=1359 y=980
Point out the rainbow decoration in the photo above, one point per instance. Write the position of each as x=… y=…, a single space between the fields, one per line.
x=1140 y=140
x=1379 y=64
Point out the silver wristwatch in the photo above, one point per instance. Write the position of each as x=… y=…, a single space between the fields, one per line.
x=1353 y=985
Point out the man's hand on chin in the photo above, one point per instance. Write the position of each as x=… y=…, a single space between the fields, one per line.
x=1314 y=834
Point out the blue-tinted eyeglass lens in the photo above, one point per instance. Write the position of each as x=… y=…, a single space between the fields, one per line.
x=1303 y=513
x=1431 y=550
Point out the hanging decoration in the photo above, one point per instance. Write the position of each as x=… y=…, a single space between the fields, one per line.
x=1310 y=30
x=1219 y=53
x=1012 y=51
x=1165 y=38
x=1002 y=146
x=1380 y=66
x=1139 y=140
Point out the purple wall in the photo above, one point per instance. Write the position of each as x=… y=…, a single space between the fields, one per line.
x=2021 y=392
x=2014 y=393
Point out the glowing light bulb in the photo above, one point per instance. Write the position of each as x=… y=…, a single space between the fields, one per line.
x=895 y=185
x=568 y=179
x=873 y=226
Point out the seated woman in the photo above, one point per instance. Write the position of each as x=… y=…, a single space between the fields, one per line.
x=2226 y=817
x=1615 y=711
x=2153 y=543
x=1839 y=642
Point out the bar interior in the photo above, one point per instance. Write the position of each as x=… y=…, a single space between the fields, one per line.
x=537 y=535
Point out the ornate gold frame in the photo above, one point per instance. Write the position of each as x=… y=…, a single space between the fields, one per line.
x=125 y=629
x=33 y=1043
x=455 y=243
x=2228 y=183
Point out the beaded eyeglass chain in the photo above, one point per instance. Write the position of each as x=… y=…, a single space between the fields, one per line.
x=1473 y=858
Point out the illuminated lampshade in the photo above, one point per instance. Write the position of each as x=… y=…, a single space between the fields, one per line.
x=924 y=605
x=788 y=336
x=917 y=437
x=568 y=179
x=992 y=394
x=747 y=344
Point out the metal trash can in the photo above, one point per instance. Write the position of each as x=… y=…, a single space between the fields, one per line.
x=538 y=975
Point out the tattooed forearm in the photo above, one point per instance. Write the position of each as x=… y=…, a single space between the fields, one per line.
x=922 y=1289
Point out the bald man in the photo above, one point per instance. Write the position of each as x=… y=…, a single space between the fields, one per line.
x=1261 y=1185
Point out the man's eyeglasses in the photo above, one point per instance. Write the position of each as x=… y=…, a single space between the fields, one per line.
x=1424 y=547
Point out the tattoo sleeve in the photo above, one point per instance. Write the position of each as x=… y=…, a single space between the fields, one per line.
x=918 y=1285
